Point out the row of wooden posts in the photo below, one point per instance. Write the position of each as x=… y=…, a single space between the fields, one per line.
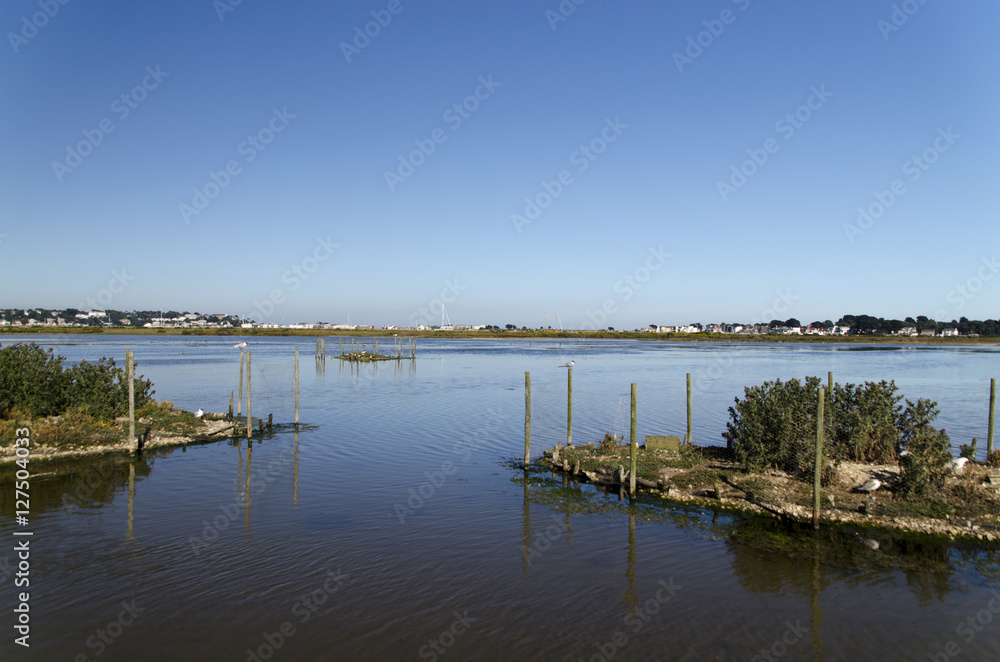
x=689 y=439
x=239 y=403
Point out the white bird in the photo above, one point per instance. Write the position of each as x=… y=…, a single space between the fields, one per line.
x=957 y=465
x=568 y=365
x=240 y=345
x=870 y=486
x=199 y=413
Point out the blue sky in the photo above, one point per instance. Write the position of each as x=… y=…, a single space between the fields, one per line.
x=634 y=163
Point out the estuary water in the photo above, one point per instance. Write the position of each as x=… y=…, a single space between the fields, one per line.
x=397 y=523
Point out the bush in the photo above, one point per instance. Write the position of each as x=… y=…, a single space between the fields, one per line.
x=925 y=465
x=34 y=381
x=774 y=426
x=101 y=389
x=31 y=380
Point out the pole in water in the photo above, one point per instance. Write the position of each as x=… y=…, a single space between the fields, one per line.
x=130 y=364
x=689 y=440
x=569 y=408
x=249 y=418
x=633 y=446
x=296 y=387
x=239 y=401
x=527 y=418
x=230 y=405
x=993 y=405
x=818 y=467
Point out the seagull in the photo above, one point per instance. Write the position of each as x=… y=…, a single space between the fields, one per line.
x=568 y=365
x=199 y=413
x=240 y=345
x=870 y=486
x=957 y=465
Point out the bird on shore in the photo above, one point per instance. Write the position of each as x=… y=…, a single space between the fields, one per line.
x=568 y=365
x=870 y=486
x=957 y=465
x=199 y=413
x=240 y=345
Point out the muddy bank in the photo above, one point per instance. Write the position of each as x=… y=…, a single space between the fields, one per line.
x=967 y=507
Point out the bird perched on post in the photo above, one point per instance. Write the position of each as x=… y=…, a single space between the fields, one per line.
x=240 y=345
x=568 y=365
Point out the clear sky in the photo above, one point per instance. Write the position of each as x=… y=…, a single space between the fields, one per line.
x=624 y=163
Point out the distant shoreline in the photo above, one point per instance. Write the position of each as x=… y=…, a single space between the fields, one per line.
x=504 y=335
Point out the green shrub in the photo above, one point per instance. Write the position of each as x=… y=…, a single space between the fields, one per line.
x=925 y=465
x=101 y=389
x=774 y=426
x=32 y=380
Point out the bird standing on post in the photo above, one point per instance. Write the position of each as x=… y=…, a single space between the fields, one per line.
x=240 y=345
x=568 y=365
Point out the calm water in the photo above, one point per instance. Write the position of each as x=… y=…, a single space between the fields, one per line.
x=396 y=528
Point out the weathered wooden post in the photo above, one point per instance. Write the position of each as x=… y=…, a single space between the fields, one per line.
x=239 y=401
x=527 y=419
x=249 y=417
x=633 y=447
x=829 y=390
x=569 y=408
x=230 y=405
x=130 y=370
x=296 y=388
x=993 y=405
x=689 y=439
x=818 y=467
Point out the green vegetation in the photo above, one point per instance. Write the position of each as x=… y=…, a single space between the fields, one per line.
x=34 y=383
x=774 y=426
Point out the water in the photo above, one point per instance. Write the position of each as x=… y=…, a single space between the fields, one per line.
x=397 y=528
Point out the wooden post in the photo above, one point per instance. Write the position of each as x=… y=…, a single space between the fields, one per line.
x=818 y=467
x=633 y=446
x=239 y=401
x=569 y=408
x=296 y=388
x=249 y=417
x=130 y=369
x=993 y=405
x=829 y=382
x=527 y=418
x=829 y=391
x=230 y=405
x=689 y=439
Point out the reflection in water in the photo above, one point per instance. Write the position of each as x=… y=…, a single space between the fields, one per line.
x=129 y=533
x=631 y=598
